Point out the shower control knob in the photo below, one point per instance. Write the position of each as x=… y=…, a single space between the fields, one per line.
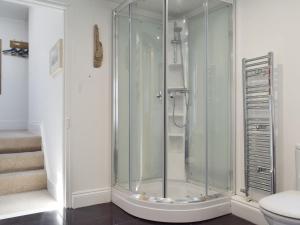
x=159 y=95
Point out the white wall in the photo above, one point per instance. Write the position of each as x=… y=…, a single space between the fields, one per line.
x=14 y=97
x=263 y=26
x=46 y=27
x=89 y=99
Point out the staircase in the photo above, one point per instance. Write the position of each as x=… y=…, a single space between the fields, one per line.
x=21 y=162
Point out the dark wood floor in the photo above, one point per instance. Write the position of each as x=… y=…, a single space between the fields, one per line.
x=104 y=214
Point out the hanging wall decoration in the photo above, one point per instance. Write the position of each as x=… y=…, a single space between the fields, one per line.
x=56 y=58
x=98 y=48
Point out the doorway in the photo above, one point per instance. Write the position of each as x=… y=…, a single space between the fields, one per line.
x=31 y=109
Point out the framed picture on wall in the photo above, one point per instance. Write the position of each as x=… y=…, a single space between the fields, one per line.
x=56 y=58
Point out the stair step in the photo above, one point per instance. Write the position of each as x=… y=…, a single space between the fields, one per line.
x=21 y=161
x=19 y=141
x=22 y=181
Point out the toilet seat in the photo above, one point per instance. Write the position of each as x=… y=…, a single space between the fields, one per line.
x=278 y=219
x=284 y=204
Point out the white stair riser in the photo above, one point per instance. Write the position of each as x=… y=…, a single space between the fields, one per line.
x=22 y=181
x=21 y=161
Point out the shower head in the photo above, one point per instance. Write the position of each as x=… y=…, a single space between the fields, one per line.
x=177 y=29
x=177 y=36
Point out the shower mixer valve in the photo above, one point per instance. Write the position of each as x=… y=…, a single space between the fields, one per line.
x=159 y=95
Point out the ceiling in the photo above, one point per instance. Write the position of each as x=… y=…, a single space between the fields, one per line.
x=176 y=7
x=13 y=11
x=117 y=1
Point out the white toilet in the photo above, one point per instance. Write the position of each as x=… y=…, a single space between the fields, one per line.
x=284 y=208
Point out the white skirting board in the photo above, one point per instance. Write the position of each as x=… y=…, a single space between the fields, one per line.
x=91 y=197
x=247 y=210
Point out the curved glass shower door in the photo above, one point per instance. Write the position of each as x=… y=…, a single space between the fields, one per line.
x=146 y=101
x=140 y=86
x=218 y=98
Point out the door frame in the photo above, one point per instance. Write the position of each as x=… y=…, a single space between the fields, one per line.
x=63 y=6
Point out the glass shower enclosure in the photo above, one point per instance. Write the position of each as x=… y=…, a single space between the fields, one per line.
x=172 y=100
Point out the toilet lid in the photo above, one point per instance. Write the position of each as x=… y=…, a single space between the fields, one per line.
x=286 y=204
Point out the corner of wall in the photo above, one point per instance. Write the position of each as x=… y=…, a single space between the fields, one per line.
x=52 y=189
x=34 y=127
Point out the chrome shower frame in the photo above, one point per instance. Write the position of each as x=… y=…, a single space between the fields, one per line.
x=115 y=106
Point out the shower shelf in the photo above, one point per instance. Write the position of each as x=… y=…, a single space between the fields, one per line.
x=176 y=135
x=175 y=66
x=176 y=114
x=172 y=88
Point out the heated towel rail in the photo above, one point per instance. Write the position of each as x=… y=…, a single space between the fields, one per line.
x=259 y=124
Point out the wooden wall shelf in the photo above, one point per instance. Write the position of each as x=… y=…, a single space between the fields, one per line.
x=19 y=44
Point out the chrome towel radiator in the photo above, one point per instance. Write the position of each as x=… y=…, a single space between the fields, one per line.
x=259 y=124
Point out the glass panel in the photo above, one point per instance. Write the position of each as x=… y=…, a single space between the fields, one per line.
x=198 y=100
x=185 y=82
x=219 y=96
x=197 y=117
x=122 y=70
x=146 y=98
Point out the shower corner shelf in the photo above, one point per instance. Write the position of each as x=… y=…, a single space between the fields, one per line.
x=176 y=114
x=175 y=65
x=176 y=135
x=174 y=88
